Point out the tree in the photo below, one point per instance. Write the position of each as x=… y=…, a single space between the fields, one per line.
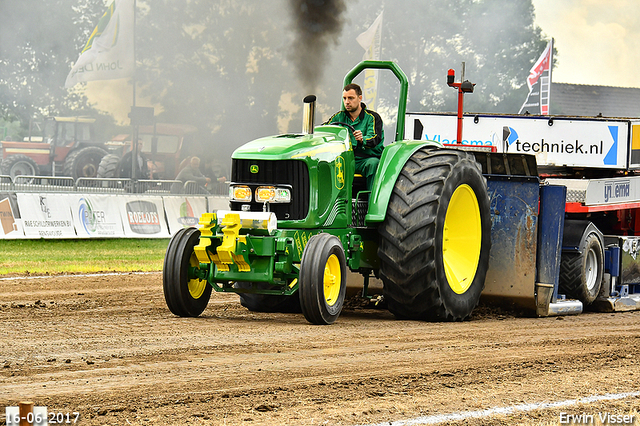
x=497 y=39
x=35 y=53
x=226 y=66
x=217 y=65
x=229 y=67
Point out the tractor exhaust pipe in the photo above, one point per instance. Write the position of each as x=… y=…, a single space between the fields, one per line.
x=308 y=114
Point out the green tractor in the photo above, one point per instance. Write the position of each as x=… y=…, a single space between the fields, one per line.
x=299 y=218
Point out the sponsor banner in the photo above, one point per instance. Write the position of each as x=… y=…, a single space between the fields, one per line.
x=559 y=142
x=143 y=217
x=183 y=212
x=46 y=215
x=10 y=222
x=613 y=191
x=97 y=216
x=217 y=203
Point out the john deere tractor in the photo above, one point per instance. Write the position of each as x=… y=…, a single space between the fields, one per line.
x=299 y=218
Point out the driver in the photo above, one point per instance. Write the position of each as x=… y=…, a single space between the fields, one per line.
x=368 y=137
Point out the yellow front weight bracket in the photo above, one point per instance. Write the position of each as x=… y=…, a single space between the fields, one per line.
x=231 y=225
x=207 y=221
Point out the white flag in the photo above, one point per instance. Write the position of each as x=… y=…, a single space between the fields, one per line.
x=108 y=53
x=370 y=40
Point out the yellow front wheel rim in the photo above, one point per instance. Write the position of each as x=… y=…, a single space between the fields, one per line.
x=196 y=285
x=332 y=280
x=462 y=239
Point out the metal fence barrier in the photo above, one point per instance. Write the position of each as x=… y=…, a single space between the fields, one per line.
x=109 y=186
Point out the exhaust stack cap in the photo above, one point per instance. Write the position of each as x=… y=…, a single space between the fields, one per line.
x=308 y=114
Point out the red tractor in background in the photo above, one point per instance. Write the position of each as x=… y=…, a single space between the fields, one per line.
x=67 y=148
x=161 y=146
x=164 y=149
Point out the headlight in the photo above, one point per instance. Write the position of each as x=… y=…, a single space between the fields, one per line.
x=273 y=194
x=240 y=193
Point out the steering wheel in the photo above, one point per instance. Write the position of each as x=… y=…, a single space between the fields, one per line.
x=347 y=125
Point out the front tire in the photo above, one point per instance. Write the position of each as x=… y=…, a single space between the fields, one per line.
x=581 y=273
x=185 y=295
x=19 y=165
x=323 y=279
x=436 y=237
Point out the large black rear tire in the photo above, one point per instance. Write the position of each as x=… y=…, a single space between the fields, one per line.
x=436 y=237
x=185 y=296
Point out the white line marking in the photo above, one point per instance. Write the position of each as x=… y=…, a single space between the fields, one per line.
x=463 y=415
x=105 y=274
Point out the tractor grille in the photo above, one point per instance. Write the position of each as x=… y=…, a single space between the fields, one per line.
x=290 y=173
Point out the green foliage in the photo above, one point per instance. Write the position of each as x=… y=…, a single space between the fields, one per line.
x=38 y=43
x=67 y=256
x=228 y=67
x=496 y=39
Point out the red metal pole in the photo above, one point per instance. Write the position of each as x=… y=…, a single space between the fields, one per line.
x=460 y=108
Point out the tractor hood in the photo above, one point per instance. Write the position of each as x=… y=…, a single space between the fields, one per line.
x=325 y=144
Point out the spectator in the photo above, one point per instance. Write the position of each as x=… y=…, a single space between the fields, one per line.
x=190 y=173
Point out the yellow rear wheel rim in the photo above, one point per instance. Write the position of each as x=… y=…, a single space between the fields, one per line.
x=196 y=285
x=462 y=239
x=332 y=280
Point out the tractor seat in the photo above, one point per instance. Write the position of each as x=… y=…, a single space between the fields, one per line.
x=359 y=184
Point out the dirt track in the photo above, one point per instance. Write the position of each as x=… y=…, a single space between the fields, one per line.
x=108 y=348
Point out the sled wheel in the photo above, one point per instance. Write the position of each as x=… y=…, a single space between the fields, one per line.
x=323 y=279
x=108 y=165
x=19 y=165
x=581 y=273
x=267 y=302
x=435 y=240
x=83 y=162
x=186 y=296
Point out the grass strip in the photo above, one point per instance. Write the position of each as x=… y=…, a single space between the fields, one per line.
x=82 y=256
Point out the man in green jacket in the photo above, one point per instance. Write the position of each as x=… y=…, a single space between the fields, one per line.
x=368 y=138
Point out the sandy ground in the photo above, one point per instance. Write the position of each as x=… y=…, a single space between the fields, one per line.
x=108 y=348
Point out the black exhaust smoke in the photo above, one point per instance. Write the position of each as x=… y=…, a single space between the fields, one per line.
x=317 y=23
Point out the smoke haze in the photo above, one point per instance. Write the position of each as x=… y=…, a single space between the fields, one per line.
x=317 y=25
x=238 y=70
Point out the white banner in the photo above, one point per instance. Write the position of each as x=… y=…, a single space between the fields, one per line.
x=183 y=212
x=561 y=142
x=218 y=203
x=108 y=53
x=46 y=215
x=53 y=215
x=143 y=217
x=97 y=216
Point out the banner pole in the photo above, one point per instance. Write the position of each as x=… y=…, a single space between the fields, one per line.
x=134 y=135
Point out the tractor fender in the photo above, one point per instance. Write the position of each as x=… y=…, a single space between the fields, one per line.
x=391 y=163
x=575 y=233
